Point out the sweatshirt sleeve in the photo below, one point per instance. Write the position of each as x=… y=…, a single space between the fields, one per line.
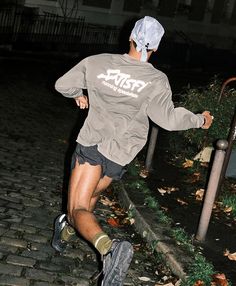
x=73 y=82
x=161 y=110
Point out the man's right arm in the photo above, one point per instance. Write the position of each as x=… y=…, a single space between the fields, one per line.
x=208 y=118
x=73 y=82
x=82 y=101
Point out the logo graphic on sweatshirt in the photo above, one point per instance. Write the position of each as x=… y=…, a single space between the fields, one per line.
x=122 y=83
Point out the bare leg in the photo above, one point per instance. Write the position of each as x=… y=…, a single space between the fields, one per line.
x=84 y=190
x=83 y=183
x=102 y=186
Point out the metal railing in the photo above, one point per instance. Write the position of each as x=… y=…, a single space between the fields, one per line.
x=17 y=27
x=231 y=135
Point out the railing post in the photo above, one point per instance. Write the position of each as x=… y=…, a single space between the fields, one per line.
x=231 y=138
x=211 y=189
x=151 y=148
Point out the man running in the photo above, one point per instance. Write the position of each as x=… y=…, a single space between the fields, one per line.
x=124 y=91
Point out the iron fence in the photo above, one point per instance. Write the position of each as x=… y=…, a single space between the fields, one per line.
x=51 y=31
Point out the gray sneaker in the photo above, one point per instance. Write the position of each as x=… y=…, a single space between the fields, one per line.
x=58 y=244
x=116 y=263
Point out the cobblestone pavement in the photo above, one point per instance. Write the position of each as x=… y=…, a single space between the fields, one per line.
x=36 y=127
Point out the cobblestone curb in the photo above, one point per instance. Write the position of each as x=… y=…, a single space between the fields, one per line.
x=154 y=234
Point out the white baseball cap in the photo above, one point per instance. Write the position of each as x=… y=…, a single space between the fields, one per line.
x=147 y=34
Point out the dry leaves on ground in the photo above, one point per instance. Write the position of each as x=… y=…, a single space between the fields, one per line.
x=167 y=190
x=231 y=256
x=137 y=246
x=106 y=202
x=219 y=279
x=120 y=220
x=168 y=284
x=144 y=173
x=182 y=202
x=199 y=194
x=195 y=177
x=119 y=216
x=204 y=164
x=188 y=163
x=228 y=209
x=113 y=222
x=199 y=283
x=145 y=279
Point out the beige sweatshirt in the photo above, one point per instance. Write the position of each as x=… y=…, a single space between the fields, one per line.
x=123 y=94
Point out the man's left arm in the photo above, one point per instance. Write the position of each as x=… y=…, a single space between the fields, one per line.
x=162 y=111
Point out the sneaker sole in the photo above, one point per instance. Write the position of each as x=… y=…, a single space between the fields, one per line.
x=56 y=235
x=119 y=266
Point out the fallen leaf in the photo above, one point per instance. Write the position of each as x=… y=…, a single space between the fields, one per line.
x=228 y=209
x=106 y=202
x=199 y=283
x=164 y=278
x=161 y=191
x=231 y=256
x=172 y=189
x=145 y=279
x=204 y=155
x=119 y=211
x=188 y=163
x=195 y=177
x=229 y=224
x=113 y=222
x=204 y=164
x=167 y=190
x=127 y=221
x=220 y=280
x=214 y=206
x=164 y=208
x=199 y=194
x=144 y=173
x=136 y=248
x=131 y=220
x=168 y=284
x=182 y=202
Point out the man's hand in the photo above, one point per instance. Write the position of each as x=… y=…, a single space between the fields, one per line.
x=82 y=101
x=208 y=118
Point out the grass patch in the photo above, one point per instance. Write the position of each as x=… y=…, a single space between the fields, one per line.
x=229 y=202
x=182 y=238
x=185 y=145
x=200 y=269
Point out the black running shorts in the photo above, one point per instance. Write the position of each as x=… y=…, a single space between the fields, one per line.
x=91 y=155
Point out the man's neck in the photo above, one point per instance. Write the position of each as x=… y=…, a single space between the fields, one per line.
x=134 y=54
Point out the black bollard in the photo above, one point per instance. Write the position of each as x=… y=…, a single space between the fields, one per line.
x=151 y=148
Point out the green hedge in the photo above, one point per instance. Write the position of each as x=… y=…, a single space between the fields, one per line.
x=206 y=98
